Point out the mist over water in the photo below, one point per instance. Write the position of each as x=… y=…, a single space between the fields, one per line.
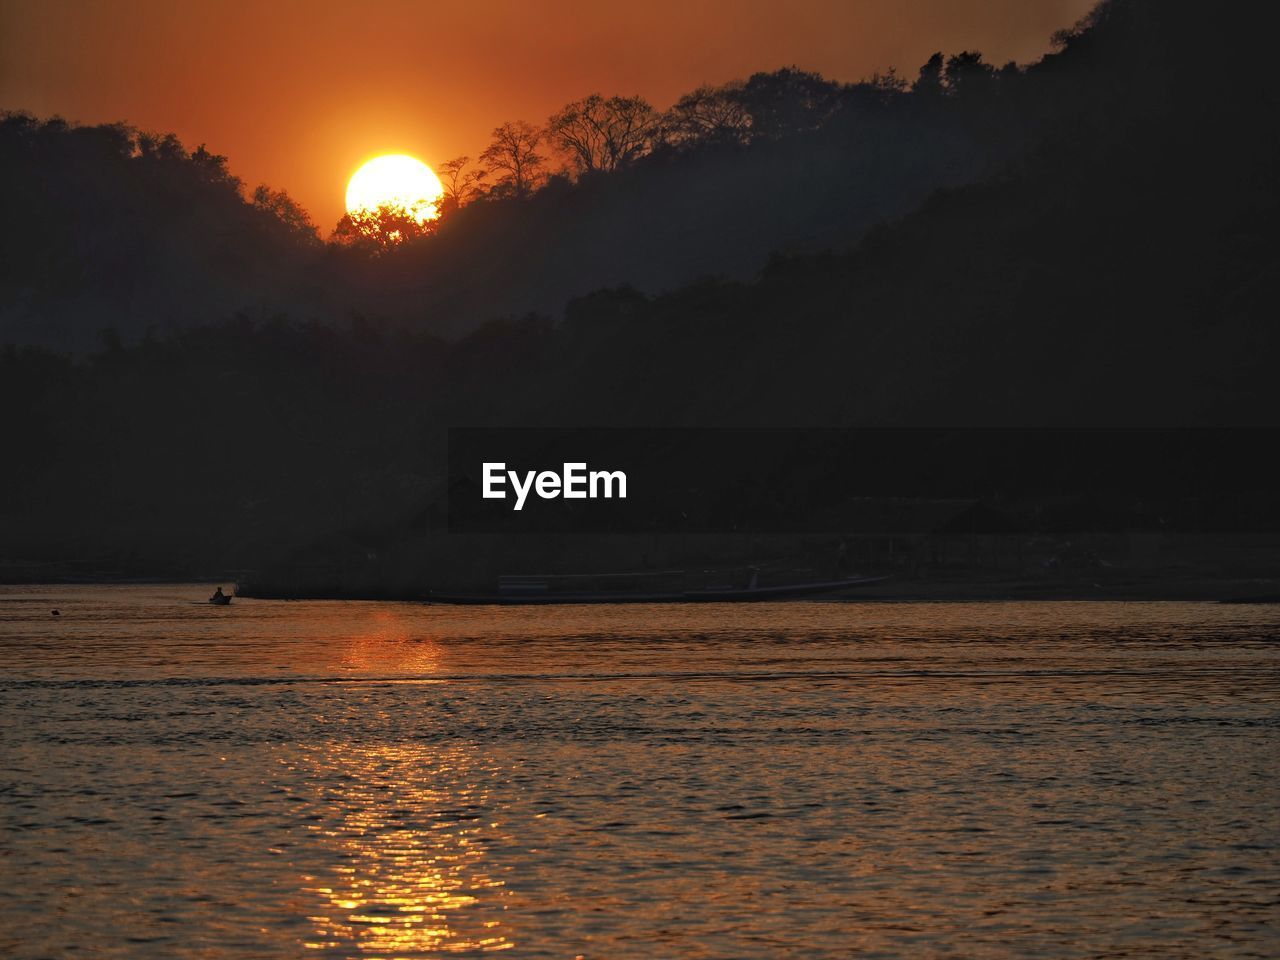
x=792 y=780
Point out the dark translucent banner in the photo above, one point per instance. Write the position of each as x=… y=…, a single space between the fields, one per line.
x=859 y=480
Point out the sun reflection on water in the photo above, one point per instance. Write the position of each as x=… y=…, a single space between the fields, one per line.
x=405 y=829
x=388 y=644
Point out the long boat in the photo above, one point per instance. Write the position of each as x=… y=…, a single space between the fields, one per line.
x=530 y=592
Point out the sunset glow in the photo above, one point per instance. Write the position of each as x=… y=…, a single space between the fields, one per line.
x=395 y=180
x=722 y=479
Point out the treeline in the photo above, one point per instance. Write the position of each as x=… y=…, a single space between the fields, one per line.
x=611 y=191
x=599 y=135
x=132 y=231
x=112 y=227
x=790 y=164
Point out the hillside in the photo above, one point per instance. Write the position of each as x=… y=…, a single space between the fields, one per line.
x=1123 y=271
x=132 y=231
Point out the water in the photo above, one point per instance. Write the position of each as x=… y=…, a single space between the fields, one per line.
x=281 y=779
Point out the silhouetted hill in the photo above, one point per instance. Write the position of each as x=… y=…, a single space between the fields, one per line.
x=674 y=218
x=1121 y=267
x=107 y=227
x=1125 y=269
x=818 y=164
x=131 y=231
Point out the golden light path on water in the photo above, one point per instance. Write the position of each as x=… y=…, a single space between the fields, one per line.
x=407 y=861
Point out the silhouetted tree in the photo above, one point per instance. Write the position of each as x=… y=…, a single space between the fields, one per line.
x=929 y=81
x=603 y=134
x=787 y=102
x=514 y=153
x=461 y=185
x=1083 y=28
x=888 y=83
x=377 y=231
x=212 y=167
x=967 y=74
x=708 y=115
x=162 y=148
x=287 y=211
x=874 y=94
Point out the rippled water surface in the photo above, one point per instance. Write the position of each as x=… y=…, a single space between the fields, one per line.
x=279 y=779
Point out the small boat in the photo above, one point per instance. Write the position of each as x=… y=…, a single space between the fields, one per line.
x=220 y=599
x=537 y=593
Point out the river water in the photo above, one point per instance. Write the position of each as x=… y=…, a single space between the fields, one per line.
x=336 y=779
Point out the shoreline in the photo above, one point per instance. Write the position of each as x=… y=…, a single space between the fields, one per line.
x=1251 y=590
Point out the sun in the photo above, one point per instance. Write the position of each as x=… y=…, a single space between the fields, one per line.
x=395 y=179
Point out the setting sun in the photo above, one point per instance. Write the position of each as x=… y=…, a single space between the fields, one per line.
x=397 y=180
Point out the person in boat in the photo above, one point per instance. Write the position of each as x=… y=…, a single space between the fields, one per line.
x=219 y=596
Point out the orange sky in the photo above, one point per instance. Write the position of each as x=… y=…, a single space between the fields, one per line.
x=298 y=92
